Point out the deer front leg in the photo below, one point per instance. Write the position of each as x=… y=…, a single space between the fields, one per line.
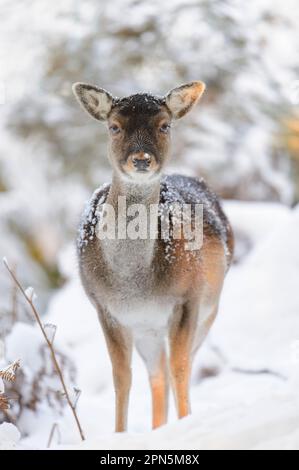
x=152 y=350
x=119 y=343
x=181 y=337
x=159 y=389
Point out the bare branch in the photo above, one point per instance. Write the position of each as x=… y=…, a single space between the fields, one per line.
x=50 y=346
x=54 y=428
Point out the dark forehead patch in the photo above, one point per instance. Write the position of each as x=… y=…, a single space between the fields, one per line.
x=143 y=103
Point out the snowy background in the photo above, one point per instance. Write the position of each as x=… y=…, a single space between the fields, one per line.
x=243 y=138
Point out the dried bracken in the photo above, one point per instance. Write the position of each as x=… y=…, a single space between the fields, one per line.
x=37 y=385
x=4 y=402
x=9 y=375
x=29 y=297
x=9 y=372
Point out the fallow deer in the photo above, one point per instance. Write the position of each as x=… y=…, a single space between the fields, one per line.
x=151 y=292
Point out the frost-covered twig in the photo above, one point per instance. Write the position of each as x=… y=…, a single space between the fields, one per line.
x=29 y=299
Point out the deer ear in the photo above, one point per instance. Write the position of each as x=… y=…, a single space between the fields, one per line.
x=180 y=100
x=96 y=101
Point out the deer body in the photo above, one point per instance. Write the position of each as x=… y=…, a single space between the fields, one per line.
x=151 y=292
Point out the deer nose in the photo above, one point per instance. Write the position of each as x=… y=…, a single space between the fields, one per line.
x=141 y=161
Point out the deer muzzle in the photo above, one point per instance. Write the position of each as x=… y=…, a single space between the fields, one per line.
x=141 y=161
x=140 y=166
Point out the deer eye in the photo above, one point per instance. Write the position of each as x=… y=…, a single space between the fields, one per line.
x=114 y=129
x=165 y=128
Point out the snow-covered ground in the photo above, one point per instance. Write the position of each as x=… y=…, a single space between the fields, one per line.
x=250 y=399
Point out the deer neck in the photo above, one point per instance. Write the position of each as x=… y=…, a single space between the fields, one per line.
x=146 y=194
x=136 y=254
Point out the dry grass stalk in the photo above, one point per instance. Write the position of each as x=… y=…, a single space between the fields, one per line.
x=14 y=299
x=29 y=300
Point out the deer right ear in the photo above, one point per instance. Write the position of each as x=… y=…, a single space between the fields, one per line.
x=95 y=101
x=181 y=100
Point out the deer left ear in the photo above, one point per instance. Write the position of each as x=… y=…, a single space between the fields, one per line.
x=180 y=100
x=94 y=100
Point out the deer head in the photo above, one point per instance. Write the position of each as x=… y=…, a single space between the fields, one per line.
x=139 y=125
